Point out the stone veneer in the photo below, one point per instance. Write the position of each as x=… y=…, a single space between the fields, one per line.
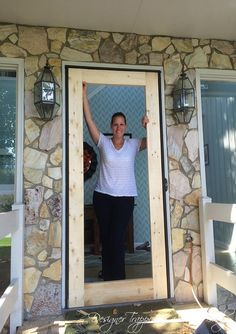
x=43 y=145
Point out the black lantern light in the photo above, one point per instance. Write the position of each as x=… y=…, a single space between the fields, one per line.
x=46 y=94
x=183 y=99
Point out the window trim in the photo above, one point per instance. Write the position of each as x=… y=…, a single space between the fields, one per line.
x=18 y=66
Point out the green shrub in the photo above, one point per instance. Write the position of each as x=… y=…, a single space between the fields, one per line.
x=6 y=202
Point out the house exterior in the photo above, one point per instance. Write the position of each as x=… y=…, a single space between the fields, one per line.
x=44 y=147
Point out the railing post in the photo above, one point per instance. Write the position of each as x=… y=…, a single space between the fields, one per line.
x=208 y=252
x=17 y=258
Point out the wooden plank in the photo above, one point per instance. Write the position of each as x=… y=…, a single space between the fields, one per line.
x=76 y=196
x=114 y=77
x=155 y=188
x=7 y=302
x=223 y=277
x=221 y=212
x=8 y=223
x=118 y=291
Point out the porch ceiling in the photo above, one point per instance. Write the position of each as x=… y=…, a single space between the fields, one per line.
x=180 y=18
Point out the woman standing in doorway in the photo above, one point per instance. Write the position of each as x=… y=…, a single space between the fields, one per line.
x=116 y=189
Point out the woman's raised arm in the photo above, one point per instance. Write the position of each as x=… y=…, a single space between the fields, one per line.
x=93 y=130
x=144 y=121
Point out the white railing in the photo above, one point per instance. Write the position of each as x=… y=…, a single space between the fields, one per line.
x=11 y=302
x=214 y=274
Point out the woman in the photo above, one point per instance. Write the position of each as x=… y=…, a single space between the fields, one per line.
x=114 y=194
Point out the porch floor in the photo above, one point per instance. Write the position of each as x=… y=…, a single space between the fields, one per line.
x=189 y=317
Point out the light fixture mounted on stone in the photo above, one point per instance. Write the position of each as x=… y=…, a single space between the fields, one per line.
x=183 y=99
x=46 y=94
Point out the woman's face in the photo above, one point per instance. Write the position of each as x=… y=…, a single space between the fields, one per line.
x=118 y=126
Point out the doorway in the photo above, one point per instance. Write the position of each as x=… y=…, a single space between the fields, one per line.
x=105 y=100
x=81 y=292
x=218 y=100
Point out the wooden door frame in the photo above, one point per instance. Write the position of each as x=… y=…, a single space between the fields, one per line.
x=77 y=284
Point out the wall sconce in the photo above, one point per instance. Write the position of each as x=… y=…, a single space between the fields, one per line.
x=183 y=99
x=46 y=94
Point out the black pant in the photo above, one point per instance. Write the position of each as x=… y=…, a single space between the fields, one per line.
x=113 y=214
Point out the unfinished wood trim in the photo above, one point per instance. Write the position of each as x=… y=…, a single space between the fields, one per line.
x=114 y=77
x=76 y=195
x=155 y=188
x=128 y=290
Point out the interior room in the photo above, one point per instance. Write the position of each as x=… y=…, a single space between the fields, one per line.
x=104 y=101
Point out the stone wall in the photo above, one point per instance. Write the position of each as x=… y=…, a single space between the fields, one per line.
x=43 y=145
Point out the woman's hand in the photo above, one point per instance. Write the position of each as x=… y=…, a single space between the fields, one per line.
x=145 y=121
x=84 y=83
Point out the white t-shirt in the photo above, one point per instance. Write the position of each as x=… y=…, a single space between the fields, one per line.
x=116 y=174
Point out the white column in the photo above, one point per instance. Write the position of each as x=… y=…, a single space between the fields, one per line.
x=208 y=252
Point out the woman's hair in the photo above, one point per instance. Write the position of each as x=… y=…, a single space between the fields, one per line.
x=117 y=114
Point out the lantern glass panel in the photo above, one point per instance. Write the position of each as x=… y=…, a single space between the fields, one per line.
x=177 y=99
x=184 y=115
x=180 y=116
x=186 y=82
x=48 y=92
x=188 y=98
x=37 y=92
x=47 y=75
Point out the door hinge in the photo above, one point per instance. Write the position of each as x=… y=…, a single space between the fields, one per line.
x=165 y=185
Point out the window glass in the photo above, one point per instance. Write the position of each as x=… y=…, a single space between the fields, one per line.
x=7 y=138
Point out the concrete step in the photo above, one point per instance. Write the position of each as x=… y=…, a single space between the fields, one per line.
x=43 y=325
